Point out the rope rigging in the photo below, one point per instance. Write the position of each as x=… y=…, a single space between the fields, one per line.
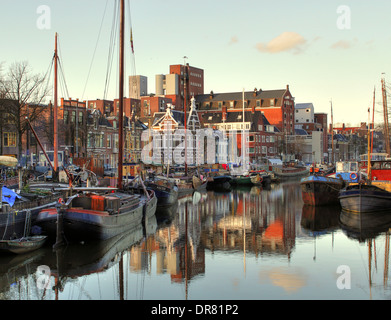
x=96 y=46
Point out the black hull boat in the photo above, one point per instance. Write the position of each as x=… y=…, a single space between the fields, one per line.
x=364 y=198
x=220 y=183
x=166 y=192
x=98 y=217
x=319 y=190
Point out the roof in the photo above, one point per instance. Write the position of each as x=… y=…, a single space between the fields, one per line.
x=177 y=115
x=238 y=96
x=301 y=132
x=304 y=105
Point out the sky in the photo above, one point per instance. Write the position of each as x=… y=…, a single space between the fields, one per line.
x=324 y=50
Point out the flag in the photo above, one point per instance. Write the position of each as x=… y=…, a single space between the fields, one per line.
x=131 y=40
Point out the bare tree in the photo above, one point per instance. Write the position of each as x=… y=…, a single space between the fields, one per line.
x=25 y=93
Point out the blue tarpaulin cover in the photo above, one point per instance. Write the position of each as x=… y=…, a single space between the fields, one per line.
x=9 y=196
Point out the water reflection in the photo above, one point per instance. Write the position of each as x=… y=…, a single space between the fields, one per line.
x=244 y=244
x=364 y=226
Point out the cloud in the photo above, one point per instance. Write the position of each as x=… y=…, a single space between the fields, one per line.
x=286 y=41
x=343 y=44
x=234 y=39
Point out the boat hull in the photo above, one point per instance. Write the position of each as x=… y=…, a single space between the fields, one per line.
x=220 y=183
x=364 y=198
x=241 y=181
x=166 y=196
x=90 y=225
x=23 y=245
x=321 y=191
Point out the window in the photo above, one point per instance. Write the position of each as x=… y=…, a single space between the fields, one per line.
x=258 y=103
x=231 y=104
x=9 y=139
x=7 y=118
x=272 y=102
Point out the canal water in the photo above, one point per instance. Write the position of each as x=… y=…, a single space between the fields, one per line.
x=249 y=244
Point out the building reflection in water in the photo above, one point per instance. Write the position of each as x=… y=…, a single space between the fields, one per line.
x=248 y=220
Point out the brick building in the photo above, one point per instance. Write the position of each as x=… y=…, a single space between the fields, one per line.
x=173 y=85
x=277 y=105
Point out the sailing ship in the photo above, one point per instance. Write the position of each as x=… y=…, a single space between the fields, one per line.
x=372 y=195
x=93 y=215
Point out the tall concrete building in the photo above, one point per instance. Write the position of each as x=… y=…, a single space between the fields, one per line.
x=182 y=81
x=138 y=86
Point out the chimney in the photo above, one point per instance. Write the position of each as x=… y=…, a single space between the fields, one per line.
x=211 y=95
x=255 y=92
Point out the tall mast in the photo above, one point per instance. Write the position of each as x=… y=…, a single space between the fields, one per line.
x=332 y=135
x=373 y=119
x=385 y=114
x=55 y=130
x=121 y=93
x=243 y=144
x=184 y=108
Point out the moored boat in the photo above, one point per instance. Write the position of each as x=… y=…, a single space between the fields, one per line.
x=22 y=245
x=247 y=179
x=166 y=191
x=92 y=216
x=220 y=183
x=317 y=190
x=366 y=197
x=290 y=172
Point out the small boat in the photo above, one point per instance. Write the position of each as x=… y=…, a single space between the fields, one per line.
x=92 y=216
x=248 y=179
x=166 y=191
x=8 y=161
x=290 y=172
x=22 y=245
x=318 y=190
x=220 y=183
